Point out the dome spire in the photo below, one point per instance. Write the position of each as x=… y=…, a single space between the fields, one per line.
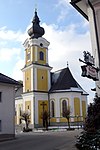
x=67 y=65
x=36 y=31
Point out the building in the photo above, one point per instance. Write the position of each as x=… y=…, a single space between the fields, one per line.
x=90 y=9
x=43 y=90
x=7 y=106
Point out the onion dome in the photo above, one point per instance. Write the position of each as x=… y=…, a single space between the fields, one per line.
x=36 y=31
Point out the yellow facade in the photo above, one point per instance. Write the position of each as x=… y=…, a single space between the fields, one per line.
x=31 y=55
x=44 y=52
x=77 y=108
x=63 y=120
x=42 y=80
x=53 y=120
x=28 y=108
x=42 y=106
x=83 y=109
x=28 y=80
x=28 y=56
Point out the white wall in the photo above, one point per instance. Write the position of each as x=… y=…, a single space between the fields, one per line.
x=29 y=97
x=7 y=109
x=96 y=6
x=70 y=96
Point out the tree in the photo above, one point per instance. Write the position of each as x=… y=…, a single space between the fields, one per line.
x=90 y=137
x=25 y=115
x=66 y=114
x=92 y=122
x=20 y=81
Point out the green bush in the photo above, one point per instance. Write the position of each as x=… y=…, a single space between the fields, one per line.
x=88 y=141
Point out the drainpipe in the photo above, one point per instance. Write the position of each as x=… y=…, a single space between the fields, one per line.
x=95 y=25
x=49 y=107
x=34 y=109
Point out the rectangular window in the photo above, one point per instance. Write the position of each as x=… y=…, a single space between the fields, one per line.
x=0 y=125
x=0 y=96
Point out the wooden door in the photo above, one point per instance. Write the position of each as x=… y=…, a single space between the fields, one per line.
x=42 y=106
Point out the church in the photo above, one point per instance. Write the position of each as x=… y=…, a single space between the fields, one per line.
x=43 y=90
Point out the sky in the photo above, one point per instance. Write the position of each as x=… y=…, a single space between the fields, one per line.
x=65 y=29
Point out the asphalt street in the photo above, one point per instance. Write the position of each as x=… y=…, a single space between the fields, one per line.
x=62 y=140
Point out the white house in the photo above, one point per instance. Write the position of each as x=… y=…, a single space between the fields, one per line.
x=7 y=105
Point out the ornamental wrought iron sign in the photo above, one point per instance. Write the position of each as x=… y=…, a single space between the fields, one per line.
x=89 y=69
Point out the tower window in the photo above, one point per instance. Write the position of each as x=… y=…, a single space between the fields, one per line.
x=28 y=56
x=41 y=55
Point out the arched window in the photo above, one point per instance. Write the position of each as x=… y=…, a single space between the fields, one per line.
x=52 y=109
x=20 y=111
x=41 y=55
x=64 y=107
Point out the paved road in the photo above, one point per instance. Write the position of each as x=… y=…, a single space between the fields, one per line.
x=42 y=141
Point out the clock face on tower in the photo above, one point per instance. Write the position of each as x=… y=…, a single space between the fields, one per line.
x=41 y=44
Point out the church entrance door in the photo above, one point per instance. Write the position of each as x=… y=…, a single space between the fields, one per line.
x=42 y=106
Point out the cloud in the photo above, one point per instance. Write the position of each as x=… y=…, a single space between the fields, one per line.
x=10 y=44
x=64 y=3
x=17 y=73
x=68 y=45
x=7 y=54
x=63 y=6
x=9 y=35
x=62 y=15
x=10 y=51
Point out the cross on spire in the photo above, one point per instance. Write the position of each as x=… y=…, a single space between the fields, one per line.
x=35 y=7
x=67 y=65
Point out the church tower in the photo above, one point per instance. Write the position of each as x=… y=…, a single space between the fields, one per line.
x=36 y=72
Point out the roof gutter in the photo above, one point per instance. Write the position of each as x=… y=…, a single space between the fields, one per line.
x=74 y=4
x=95 y=25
